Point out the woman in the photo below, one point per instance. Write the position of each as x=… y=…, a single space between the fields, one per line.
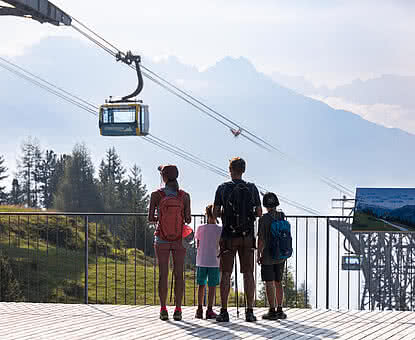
x=173 y=211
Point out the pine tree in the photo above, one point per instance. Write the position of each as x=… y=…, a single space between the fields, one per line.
x=9 y=286
x=78 y=190
x=137 y=200
x=46 y=171
x=292 y=297
x=112 y=182
x=28 y=167
x=57 y=176
x=16 y=194
x=3 y=176
x=137 y=197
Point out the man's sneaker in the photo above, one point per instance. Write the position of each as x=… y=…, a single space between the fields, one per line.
x=280 y=314
x=199 y=313
x=177 y=315
x=223 y=316
x=271 y=315
x=249 y=315
x=210 y=314
x=164 y=315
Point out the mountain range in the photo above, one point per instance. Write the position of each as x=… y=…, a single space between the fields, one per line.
x=313 y=138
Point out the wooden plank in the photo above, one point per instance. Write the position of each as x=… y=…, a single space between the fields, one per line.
x=57 y=321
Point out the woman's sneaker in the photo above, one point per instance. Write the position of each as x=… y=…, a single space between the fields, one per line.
x=210 y=314
x=164 y=315
x=223 y=316
x=199 y=313
x=177 y=315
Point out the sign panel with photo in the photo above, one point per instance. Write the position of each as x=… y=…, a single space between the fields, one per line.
x=384 y=209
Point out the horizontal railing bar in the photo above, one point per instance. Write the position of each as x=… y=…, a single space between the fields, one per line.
x=143 y=214
x=39 y=213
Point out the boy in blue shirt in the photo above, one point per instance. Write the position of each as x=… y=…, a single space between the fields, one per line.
x=271 y=270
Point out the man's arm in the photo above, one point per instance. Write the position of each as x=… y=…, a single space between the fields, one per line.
x=217 y=203
x=261 y=243
x=257 y=201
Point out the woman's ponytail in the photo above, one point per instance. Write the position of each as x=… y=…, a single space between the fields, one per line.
x=173 y=184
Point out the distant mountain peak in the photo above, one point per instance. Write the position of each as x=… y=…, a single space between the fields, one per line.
x=231 y=64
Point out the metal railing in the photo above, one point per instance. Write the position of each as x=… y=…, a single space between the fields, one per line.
x=109 y=258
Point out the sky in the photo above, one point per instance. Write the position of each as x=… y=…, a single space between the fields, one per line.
x=328 y=42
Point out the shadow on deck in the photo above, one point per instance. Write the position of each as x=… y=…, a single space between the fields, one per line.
x=58 y=321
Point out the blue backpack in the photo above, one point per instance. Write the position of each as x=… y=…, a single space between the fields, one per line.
x=281 y=242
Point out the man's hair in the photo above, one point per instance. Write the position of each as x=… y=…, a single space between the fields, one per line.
x=237 y=165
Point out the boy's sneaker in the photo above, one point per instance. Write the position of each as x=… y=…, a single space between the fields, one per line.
x=271 y=315
x=280 y=314
x=177 y=315
x=210 y=314
x=223 y=316
x=249 y=315
x=164 y=315
x=199 y=313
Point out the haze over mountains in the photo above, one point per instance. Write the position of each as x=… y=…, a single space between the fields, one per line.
x=387 y=99
x=322 y=140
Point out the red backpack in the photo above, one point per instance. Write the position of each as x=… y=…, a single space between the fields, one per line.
x=171 y=216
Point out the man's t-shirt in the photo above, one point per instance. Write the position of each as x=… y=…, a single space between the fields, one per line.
x=208 y=236
x=264 y=234
x=222 y=194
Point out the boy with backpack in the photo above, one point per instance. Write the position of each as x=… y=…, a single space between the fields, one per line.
x=238 y=204
x=274 y=247
x=207 y=262
x=173 y=211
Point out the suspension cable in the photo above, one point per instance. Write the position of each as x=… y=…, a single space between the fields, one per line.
x=49 y=89
x=87 y=106
x=212 y=113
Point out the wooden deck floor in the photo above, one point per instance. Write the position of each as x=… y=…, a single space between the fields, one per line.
x=57 y=321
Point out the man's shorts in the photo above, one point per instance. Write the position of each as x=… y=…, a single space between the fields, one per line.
x=272 y=272
x=245 y=248
x=209 y=274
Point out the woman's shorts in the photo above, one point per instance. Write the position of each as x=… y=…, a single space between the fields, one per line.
x=209 y=274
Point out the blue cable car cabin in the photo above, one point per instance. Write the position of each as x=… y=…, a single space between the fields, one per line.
x=124 y=119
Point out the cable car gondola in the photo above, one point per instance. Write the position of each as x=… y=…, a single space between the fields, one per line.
x=125 y=117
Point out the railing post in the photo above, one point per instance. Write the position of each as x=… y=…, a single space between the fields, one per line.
x=86 y=260
x=327 y=264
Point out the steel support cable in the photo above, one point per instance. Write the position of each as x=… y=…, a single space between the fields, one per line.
x=97 y=35
x=209 y=165
x=48 y=89
x=148 y=76
x=224 y=173
x=325 y=179
x=182 y=155
x=221 y=173
x=77 y=101
x=94 y=107
x=265 y=145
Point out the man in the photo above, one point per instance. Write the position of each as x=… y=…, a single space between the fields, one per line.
x=238 y=204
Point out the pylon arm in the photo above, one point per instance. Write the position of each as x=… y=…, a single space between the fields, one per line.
x=39 y=10
x=128 y=59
